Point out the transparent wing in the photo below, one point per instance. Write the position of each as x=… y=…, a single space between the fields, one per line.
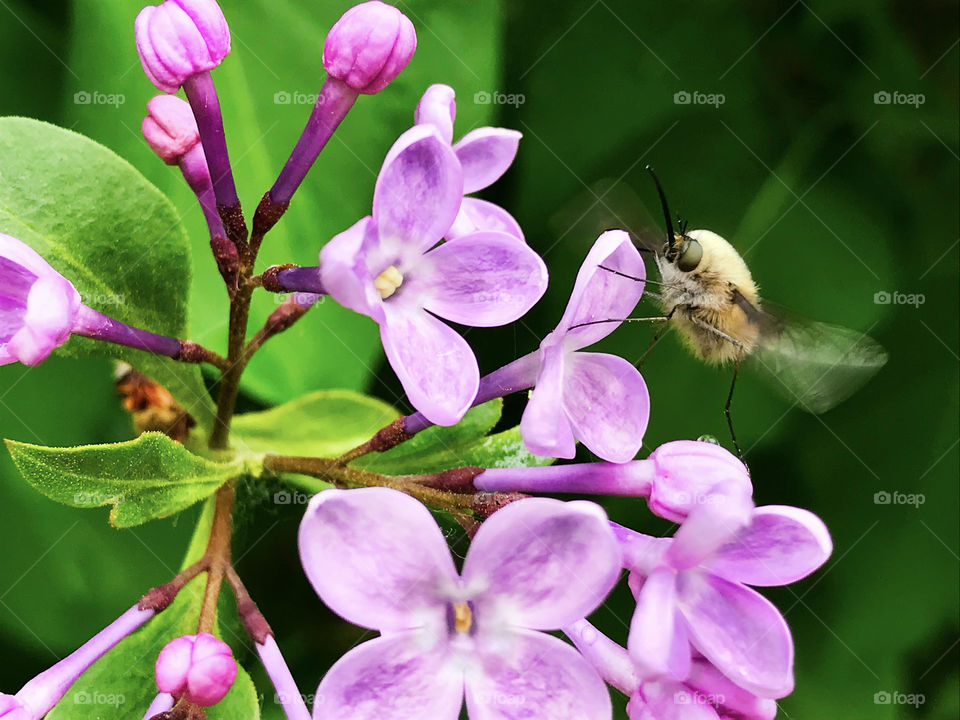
x=813 y=364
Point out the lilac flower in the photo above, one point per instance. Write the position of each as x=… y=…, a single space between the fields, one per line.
x=485 y=154
x=288 y=694
x=162 y=703
x=676 y=478
x=369 y=46
x=599 y=399
x=691 y=593
x=38 y=306
x=377 y=558
x=705 y=695
x=384 y=267
x=364 y=52
x=179 y=42
x=40 y=694
x=199 y=668
x=39 y=309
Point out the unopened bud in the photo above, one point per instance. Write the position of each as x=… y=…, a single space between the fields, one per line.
x=199 y=668
x=170 y=128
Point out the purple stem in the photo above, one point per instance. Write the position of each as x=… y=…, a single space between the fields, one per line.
x=288 y=694
x=519 y=375
x=96 y=325
x=193 y=165
x=46 y=689
x=202 y=96
x=632 y=479
x=610 y=660
x=334 y=101
x=162 y=703
x=301 y=279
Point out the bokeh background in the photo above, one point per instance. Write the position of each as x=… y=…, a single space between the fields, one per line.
x=784 y=147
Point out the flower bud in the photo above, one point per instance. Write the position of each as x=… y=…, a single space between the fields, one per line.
x=170 y=128
x=181 y=38
x=369 y=46
x=199 y=668
x=39 y=305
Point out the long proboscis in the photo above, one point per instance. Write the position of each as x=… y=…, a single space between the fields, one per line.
x=671 y=239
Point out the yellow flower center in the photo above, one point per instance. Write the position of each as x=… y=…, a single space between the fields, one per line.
x=388 y=282
x=462 y=617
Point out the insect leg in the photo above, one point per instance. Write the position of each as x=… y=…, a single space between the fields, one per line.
x=656 y=336
x=618 y=320
x=726 y=412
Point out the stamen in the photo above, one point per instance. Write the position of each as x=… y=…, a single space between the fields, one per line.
x=388 y=282
x=462 y=617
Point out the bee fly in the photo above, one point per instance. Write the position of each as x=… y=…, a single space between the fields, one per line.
x=707 y=293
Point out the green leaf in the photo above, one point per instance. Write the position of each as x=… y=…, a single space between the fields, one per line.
x=117 y=238
x=121 y=685
x=466 y=443
x=322 y=424
x=150 y=477
x=277 y=52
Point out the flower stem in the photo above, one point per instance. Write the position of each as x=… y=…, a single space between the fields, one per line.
x=217 y=556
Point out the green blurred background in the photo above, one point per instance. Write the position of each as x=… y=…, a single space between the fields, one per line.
x=831 y=196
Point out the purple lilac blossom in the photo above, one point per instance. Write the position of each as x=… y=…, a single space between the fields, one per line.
x=162 y=703
x=364 y=51
x=389 y=266
x=693 y=595
x=377 y=558
x=288 y=695
x=199 y=668
x=40 y=694
x=171 y=131
x=485 y=154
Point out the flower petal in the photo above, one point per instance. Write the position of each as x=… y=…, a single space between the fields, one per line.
x=781 y=545
x=344 y=271
x=739 y=631
x=541 y=563
x=599 y=294
x=19 y=252
x=482 y=280
x=391 y=678
x=709 y=682
x=658 y=640
x=418 y=192
x=435 y=365
x=376 y=558
x=485 y=154
x=478 y=215
x=607 y=402
x=439 y=108
x=538 y=676
x=668 y=700
x=544 y=426
x=719 y=515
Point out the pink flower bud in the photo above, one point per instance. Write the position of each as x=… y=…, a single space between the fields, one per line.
x=38 y=306
x=199 y=668
x=369 y=46
x=181 y=38
x=170 y=128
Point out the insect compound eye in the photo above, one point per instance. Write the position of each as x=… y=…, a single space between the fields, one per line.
x=690 y=256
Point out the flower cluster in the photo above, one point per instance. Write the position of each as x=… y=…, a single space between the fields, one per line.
x=702 y=643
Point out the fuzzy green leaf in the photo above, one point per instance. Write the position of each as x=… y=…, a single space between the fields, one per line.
x=143 y=479
x=115 y=236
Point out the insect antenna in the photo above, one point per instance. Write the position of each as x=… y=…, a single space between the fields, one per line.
x=619 y=320
x=671 y=238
